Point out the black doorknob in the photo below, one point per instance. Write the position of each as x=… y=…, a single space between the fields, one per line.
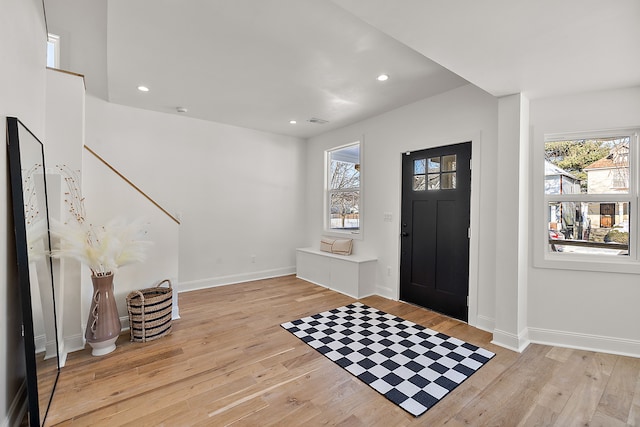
x=404 y=234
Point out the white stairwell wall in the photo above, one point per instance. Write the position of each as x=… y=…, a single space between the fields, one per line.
x=62 y=142
x=107 y=196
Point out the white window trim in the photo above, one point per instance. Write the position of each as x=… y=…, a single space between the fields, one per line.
x=567 y=261
x=327 y=230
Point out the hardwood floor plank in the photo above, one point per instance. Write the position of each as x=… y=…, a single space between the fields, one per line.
x=634 y=412
x=229 y=362
x=618 y=395
x=237 y=398
x=538 y=416
x=452 y=405
x=582 y=403
x=241 y=411
x=600 y=419
x=560 y=354
x=557 y=391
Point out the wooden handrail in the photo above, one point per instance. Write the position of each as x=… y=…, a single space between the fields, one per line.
x=132 y=184
x=84 y=82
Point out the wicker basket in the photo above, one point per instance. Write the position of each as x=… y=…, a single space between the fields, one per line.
x=150 y=312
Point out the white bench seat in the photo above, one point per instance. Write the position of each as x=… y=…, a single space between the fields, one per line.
x=353 y=275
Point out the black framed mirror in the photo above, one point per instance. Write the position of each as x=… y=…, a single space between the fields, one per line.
x=35 y=273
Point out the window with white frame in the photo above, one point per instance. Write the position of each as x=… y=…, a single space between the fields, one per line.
x=343 y=201
x=53 y=51
x=591 y=194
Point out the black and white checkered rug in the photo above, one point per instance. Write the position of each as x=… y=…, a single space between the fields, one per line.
x=410 y=365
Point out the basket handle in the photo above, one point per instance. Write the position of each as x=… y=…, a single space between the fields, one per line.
x=141 y=295
x=144 y=330
x=163 y=281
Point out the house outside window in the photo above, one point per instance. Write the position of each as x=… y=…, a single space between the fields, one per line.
x=591 y=186
x=343 y=195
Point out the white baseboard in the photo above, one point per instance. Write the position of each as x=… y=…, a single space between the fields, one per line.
x=70 y=344
x=48 y=347
x=599 y=343
x=124 y=323
x=40 y=343
x=328 y=287
x=175 y=310
x=212 y=282
x=385 y=293
x=18 y=408
x=485 y=323
x=511 y=341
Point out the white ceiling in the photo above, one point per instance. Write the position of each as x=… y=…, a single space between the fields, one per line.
x=537 y=47
x=260 y=63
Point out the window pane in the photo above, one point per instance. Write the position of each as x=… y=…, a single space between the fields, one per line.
x=419 y=183
x=449 y=163
x=53 y=51
x=344 y=210
x=589 y=228
x=344 y=168
x=589 y=166
x=51 y=55
x=448 y=181
x=434 y=164
x=434 y=181
x=419 y=166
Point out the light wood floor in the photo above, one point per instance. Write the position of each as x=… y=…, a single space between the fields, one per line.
x=228 y=362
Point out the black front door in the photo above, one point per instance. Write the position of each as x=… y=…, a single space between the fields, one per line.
x=436 y=201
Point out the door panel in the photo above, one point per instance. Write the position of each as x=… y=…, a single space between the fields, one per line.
x=436 y=189
x=422 y=272
x=446 y=271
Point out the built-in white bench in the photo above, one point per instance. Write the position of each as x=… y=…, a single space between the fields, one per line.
x=353 y=275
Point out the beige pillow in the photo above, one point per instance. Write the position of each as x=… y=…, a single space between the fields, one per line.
x=336 y=246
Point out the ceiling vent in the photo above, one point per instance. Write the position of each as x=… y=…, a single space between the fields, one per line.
x=317 y=121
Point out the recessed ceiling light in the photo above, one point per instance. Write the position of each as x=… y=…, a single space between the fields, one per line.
x=143 y=89
x=292 y=122
x=383 y=77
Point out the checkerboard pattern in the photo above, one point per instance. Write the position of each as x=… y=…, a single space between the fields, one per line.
x=412 y=366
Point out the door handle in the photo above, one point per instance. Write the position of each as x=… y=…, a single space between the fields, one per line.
x=404 y=234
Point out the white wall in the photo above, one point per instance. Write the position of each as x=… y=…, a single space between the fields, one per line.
x=463 y=114
x=579 y=307
x=22 y=92
x=238 y=192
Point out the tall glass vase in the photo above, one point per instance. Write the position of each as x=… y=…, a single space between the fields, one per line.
x=103 y=325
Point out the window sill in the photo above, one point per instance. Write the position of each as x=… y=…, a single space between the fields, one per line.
x=347 y=234
x=588 y=263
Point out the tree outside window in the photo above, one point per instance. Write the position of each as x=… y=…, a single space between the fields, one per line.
x=344 y=188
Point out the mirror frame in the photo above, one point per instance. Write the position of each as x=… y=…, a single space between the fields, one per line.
x=22 y=255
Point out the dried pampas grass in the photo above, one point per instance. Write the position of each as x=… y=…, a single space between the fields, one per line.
x=103 y=248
